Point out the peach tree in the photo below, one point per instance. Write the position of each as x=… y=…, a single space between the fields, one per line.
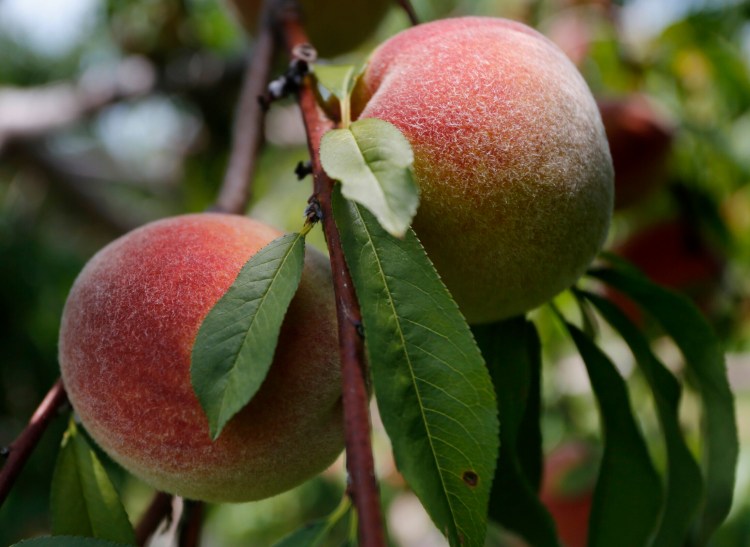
x=462 y=174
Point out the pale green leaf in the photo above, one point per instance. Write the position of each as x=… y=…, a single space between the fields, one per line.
x=372 y=159
x=338 y=79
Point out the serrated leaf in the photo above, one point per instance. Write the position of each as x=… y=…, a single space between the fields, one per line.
x=67 y=541
x=512 y=351
x=372 y=159
x=684 y=485
x=434 y=393
x=627 y=497
x=83 y=501
x=704 y=358
x=338 y=79
x=236 y=342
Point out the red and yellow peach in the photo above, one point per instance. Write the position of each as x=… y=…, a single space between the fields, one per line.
x=125 y=345
x=510 y=156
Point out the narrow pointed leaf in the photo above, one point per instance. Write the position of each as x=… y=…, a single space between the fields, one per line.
x=704 y=358
x=67 y=541
x=338 y=79
x=372 y=159
x=434 y=393
x=512 y=351
x=684 y=485
x=236 y=342
x=83 y=500
x=627 y=497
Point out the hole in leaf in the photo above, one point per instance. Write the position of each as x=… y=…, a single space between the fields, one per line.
x=471 y=478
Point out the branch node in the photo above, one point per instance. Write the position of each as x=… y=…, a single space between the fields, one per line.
x=265 y=102
x=305 y=53
x=313 y=211
x=290 y=82
x=303 y=169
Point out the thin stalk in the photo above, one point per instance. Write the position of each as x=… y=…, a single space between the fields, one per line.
x=363 y=487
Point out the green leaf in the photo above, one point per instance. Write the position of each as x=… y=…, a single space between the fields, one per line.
x=684 y=487
x=434 y=393
x=83 y=501
x=627 y=497
x=339 y=80
x=309 y=536
x=67 y=541
x=704 y=358
x=236 y=342
x=314 y=533
x=512 y=351
x=372 y=159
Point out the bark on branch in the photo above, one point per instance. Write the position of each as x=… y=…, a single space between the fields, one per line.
x=363 y=487
x=19 y=451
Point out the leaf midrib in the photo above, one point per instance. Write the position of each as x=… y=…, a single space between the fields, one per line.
x=411 y=370
x=230 y=373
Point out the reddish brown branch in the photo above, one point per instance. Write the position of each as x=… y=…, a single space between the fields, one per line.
x=248 y=130
x=410 y=12
x=192 y=524
x=20 y=450
x=363 y=486
x=159 y=509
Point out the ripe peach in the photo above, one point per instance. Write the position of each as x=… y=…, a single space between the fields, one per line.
x=640 y=140
x=125 y=343
x=510 y=157
x=334 y=26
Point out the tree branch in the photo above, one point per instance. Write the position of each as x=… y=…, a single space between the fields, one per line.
x=363 y=486
x=159 y=509
x=234 y=194
x=29 y=113
x=19 y=451
x=190 y=531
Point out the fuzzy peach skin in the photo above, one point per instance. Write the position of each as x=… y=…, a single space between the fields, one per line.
x=510 y=156
x=334 y=26
x=125 y=342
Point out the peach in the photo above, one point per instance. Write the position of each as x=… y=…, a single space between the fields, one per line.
x=509 y=153
x=126 y=338
x=640 y=140
x=333 y=26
